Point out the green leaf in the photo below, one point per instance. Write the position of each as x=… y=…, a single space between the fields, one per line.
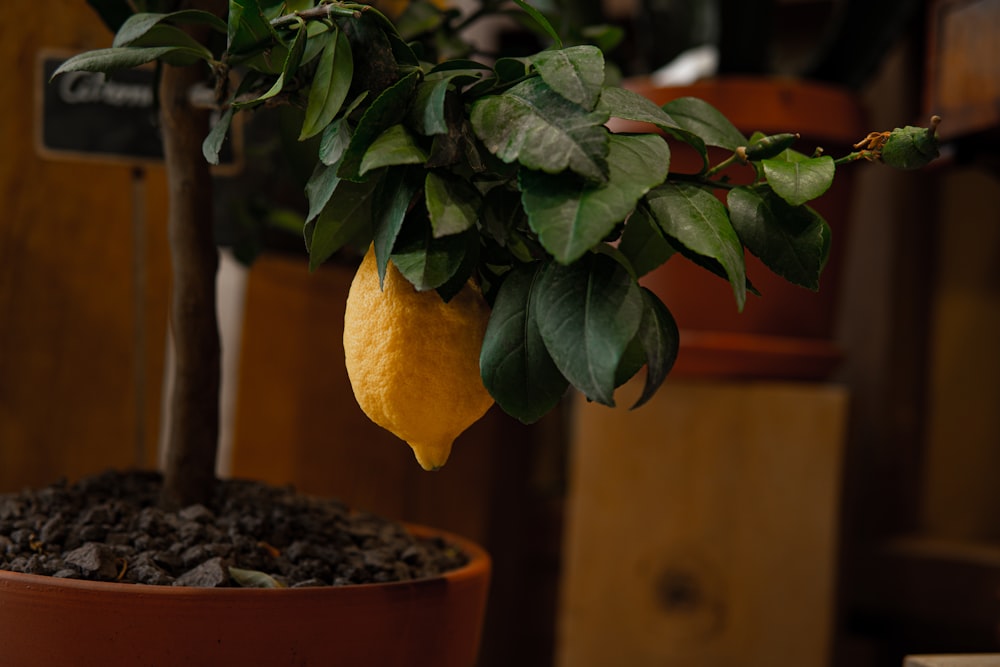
x=501 y=213
x=393 y=196
x=334 y=141
x=452 y=202
x=576 y=73
x=212 y=144
x=514 y=363
x=291 y=65
x=469 y=265
x=629 y=105
x=247 y=28
x=510 y=69
x=534 y=125
x=425 y=261
x=587 y=313
x=792 y=241
x=320 y=187
x=330 y=84
x=394 y=146
x=116 y=58
x=346 y=216
x=385 y=111
x=190 y=50
x=797 y=178
x=253 y=578
x=428 y=112
x=540 y=19
x=570 y=217
x=702 y=119
x=695 y=219
x=643 y=243
x=138 y=25
x=660 y=340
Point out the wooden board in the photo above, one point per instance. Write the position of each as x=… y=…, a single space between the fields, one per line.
x=81 y=327
x=701 y=528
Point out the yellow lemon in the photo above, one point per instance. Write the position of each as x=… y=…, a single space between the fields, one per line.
x=413 y=359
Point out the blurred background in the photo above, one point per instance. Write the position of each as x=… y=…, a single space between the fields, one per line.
x=816 y=485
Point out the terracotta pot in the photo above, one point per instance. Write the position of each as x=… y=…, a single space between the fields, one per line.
x=435 y=621
x=788 y=331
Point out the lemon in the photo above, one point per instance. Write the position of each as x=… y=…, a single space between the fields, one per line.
x=413 y=360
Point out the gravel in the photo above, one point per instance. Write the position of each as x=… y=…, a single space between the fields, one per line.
x=109 y=528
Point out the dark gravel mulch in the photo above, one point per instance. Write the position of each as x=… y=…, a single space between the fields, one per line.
x=109 y=528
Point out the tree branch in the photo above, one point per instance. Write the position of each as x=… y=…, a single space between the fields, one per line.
x=193 y=430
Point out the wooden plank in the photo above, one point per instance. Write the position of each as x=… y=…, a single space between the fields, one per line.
x=81 y=332
x=963 y=66
x=969 y=660
x=701 y=528
x=932 y=594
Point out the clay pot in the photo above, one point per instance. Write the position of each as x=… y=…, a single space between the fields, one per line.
x=788 y=331
x=437 y=621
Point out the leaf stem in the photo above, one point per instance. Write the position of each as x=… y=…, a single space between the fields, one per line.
x=852 y=157
x=322 y=11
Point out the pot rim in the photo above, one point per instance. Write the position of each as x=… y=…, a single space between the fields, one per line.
x=479 y=562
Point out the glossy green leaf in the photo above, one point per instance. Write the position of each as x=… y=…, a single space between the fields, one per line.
x=247 y=28
x=292 y=59
x=797 y=178
x=138 y=25
x=576 y=73
x=347 y=215
x=514 y=363
x=469 y=265
x=330 y=84
x=190 y=50
x=510 y=69
x=393 y=196
x=643 y=243
x=212 y=144
x=660 y=339
x=385 y=111
x=534 y=125
x=394 y=146
x=702 y=119
x=452 y=202
x=570 y=217
x=792 y=241
x=542 y=22
x=695 y=219
x=333 y=143
x=587 y=314
x=116 y=58
x=320 y=187
x=629 y=105
x=427 y=262
x=428 y=112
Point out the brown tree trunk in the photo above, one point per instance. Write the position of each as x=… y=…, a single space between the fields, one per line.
x=193 y=430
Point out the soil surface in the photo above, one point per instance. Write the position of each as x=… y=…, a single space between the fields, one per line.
x=109 y=528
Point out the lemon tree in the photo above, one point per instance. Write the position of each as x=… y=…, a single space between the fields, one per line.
x=502 y=173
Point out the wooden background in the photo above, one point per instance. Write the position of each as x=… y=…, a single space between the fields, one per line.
x=83 y=280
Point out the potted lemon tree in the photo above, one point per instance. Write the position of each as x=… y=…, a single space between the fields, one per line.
x=505 y=229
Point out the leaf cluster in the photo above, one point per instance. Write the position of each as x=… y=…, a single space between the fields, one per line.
x=504 y=173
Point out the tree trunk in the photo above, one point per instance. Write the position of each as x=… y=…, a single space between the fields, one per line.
x=192 y=434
